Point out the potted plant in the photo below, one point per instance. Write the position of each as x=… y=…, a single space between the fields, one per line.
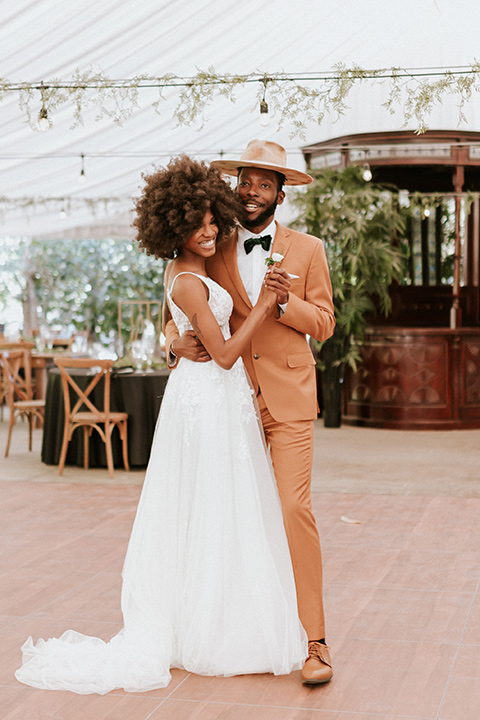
x=360 y=224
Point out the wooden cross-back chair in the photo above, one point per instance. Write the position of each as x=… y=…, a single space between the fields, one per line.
x=93 y=418
x=24 y=386
x=17 y=385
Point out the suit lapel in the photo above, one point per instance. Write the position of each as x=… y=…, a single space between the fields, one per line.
x=229 y=253
x=281 y=241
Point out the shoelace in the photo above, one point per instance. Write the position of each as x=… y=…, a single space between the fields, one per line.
x=315 y=650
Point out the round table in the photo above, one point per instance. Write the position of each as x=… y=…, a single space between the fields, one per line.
x=137 y=393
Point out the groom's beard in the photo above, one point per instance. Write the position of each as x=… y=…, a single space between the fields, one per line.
x=265 y=215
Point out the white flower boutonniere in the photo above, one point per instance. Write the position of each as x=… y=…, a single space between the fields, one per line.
x=276 y=258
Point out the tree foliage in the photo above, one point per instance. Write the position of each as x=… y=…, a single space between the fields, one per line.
x=79 y=283
x=359 y=223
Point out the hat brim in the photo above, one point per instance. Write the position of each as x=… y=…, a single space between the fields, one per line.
x=292 y=177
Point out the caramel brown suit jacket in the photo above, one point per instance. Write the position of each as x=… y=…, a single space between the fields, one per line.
x=279 y=360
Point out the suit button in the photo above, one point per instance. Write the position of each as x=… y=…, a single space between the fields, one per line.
x=255 y=357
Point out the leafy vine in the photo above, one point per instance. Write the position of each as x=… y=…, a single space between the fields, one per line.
x=295 y=100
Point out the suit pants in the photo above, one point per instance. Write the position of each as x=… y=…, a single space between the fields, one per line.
x=291 y=450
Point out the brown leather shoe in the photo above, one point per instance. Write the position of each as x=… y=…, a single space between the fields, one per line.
x=318 y=665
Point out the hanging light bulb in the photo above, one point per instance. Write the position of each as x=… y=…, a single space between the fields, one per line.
x=82 y=177
x=43 y=121
x=63 y=213
x=426 y=212
x=367 y=173
x=264 y=116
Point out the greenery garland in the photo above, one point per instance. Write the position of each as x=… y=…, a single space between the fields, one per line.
x=295 y=100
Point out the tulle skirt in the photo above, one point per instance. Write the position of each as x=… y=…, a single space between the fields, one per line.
x=207 y=581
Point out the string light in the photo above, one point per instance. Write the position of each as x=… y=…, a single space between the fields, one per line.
x=362 y=150
x=43 y=121
x=82 y=177
x=264 y=116
x=367 y=173
x=339 y=80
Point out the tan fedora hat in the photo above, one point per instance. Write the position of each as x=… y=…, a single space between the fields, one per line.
x=264 y=154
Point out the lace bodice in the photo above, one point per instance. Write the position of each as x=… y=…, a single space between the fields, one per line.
x=219 y=300
x=193 y=379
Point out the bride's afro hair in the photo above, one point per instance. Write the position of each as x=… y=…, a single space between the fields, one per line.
x=174 y=202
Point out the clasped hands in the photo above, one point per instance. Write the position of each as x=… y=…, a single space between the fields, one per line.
x=278 y=280
x=189 y=346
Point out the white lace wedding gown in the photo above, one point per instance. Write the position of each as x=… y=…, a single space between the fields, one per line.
x=207 y=582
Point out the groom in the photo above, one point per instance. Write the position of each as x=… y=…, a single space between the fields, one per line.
x=279 y=361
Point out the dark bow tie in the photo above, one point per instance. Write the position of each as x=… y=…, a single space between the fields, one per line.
x=264 y=241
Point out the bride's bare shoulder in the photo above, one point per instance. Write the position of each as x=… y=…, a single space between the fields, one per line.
x=187 y=285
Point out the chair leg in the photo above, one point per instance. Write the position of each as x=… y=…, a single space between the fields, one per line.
x=86 y=440
x=11 y=423
x=31 y=422
x=108 y=449
x=124 y=435
x=63 y=454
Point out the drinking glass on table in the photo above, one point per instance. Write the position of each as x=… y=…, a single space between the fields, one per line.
x=138 y=354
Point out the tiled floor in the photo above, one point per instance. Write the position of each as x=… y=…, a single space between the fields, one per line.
x=402 y=573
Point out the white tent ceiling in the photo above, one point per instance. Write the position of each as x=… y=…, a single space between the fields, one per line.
x=42 y=40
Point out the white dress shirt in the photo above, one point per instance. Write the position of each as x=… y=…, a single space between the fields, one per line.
x=252 y=267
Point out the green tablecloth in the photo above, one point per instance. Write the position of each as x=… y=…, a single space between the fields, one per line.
x=139 y=394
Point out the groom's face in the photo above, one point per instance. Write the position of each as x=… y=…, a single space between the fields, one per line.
x=259 y=194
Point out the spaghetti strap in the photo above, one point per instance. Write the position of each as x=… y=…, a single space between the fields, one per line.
x=187 y=272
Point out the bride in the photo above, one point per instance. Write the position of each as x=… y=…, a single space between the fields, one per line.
x=207 y=581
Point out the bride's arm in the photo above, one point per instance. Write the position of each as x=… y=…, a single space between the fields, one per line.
x=190 y=294
x=186 y=345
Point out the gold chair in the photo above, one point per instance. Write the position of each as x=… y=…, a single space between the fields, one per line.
x=62 y=343
x=93 y=417
x=17 y=379
x=134 y=314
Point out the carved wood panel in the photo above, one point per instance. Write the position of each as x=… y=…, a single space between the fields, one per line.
x=414 y=378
